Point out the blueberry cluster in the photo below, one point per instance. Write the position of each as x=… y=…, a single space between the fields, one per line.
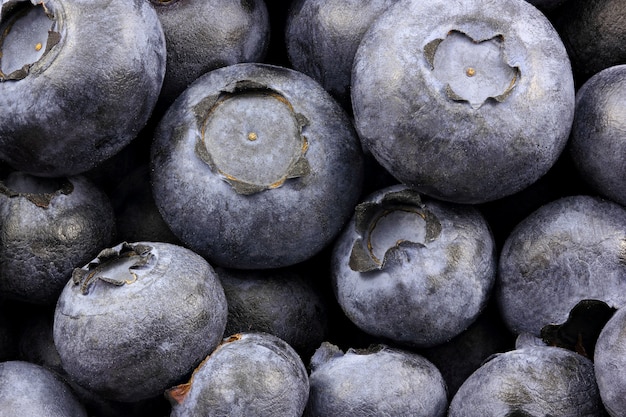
x=312 y=208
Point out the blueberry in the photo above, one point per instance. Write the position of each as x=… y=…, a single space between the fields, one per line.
x=322 y=37
x=281 y=302
x=414 y=271
x=255 y=166
x=249 y=374
x=380 y=381
x=204 y=35
x=138 y=319
x=32 y=390
x=610 y=359
x=49 y=227
x=443 y=95
x=569 y=250
x=597 y=139
x=78 y=80
x=531 y=380
x=593 y=34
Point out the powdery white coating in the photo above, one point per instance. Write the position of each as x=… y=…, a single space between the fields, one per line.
x=382 y=381
x=91 y=94
x=204 y=35
x=427 y=290
x=610 y=362
x=131 y=341
x=530 y=381
x=568 y=250
x=249 y=374
x=429 y=136
x=266 y=226
x=322 y=37
x=598 y=140
x=30 y=390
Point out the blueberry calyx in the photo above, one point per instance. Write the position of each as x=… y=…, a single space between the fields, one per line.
x=473 y=70
x=28 y=31
x=582 y=328
x=39 y=191
x=117 y=266
x=374 y=251
x=252 y=137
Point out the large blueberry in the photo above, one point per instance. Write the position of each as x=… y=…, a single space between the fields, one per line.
x=610 y=362
x=281 y=302
x=597 y=144
x=202 y=35
x=138 y=319
x=32 y=390
x=531 y=380
x=467 y=104
x=249 y=374
x=256 y=166
x=78 y=80
x=322 y=37
x=379 y=381
x=413 y=271
x=569 y=250
x=48 y=228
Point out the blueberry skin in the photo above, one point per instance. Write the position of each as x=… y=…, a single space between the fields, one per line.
x=609 y=360
x=532 y=380
x=89 y=94
x=443 y=95
x=138 y=319
x=380 y=381
x=281 y=185
x=281 y=302
x=597 y=141
x=204 y=35
x=568 y=250
x=48 y=228
x=593 y=33
x=30 y=390
x=322 y=37
x=249 y=374
x=417 y=272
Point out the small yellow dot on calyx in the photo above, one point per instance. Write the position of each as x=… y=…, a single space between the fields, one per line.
x=38 y=47
x=252 y=136
x=470 y=72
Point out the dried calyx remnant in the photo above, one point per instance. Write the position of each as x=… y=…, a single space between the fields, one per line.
x=582 y=328
x=118 y=266
x=252 y=137
x=39 y=191
x=28 y=31
x=400 y=220
x=472 y=70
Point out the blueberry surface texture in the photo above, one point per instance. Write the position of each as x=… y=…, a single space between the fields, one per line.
x=255 y=166
x=49 y=227
x=31 y=390
x=379 y=381
x=204 y=35
x=138 y=319
x=597 y=142
x=411 y=270
x=610 y=360
x=322 y=37
x=443 y=96
x=568 y=250
x=78 y=81
x=249 y=374
x=532 y=380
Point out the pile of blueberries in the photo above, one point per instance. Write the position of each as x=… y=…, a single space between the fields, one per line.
x=317 y=208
